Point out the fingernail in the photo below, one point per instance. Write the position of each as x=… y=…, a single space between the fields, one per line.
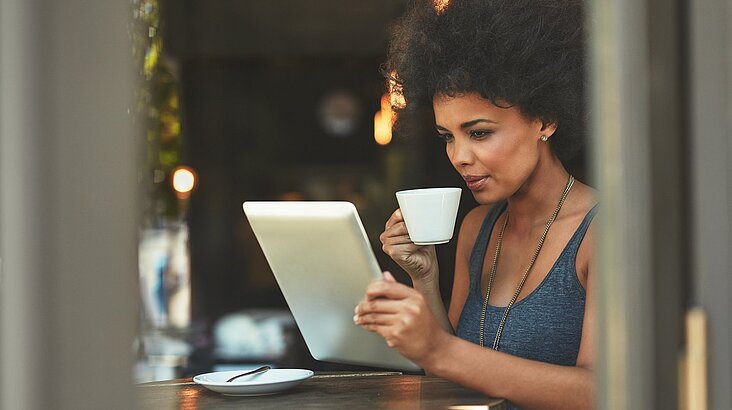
x=355 y=318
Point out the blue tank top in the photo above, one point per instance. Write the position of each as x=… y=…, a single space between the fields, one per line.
x=546 y=325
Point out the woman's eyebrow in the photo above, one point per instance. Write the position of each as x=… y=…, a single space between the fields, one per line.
x=467 y=124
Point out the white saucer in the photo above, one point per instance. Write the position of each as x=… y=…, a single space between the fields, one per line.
x=272 y=381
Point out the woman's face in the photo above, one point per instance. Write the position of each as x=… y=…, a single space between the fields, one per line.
x=494 y=149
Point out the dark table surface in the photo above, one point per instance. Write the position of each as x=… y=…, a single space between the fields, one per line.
x=334 y=390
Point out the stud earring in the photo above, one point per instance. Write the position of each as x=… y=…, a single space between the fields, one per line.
x=544 y=138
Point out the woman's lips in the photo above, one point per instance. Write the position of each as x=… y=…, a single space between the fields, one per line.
x=475 y=183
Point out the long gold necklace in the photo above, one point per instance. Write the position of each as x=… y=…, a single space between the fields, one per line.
x=526 y=272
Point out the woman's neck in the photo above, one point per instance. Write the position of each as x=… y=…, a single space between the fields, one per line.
x=535 y=201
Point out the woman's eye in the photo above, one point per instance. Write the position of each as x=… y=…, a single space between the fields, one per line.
x=445 y=137
x=478 y=134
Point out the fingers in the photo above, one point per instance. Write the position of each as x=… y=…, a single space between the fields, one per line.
x=395 y=241
x=387 y=290
x=389 y=277
x=370 y=306
x=395 y=218
x=375 y=319
x=400 y=323
x=372 y=314
x=384 y=305
x=396 y=230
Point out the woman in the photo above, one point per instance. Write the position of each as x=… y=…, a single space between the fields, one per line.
x=504 y=80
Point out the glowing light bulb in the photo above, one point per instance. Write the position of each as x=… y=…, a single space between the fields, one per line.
x=383 y=121
x=184 y=180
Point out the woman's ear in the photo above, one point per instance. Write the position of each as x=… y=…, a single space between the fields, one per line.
x=548 y=128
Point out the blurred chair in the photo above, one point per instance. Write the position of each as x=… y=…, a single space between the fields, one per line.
x=252 y=337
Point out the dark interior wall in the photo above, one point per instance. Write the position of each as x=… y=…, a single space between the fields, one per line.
x=252 y=133
x=205 y=28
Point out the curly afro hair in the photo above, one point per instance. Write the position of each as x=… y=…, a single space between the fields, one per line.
x=524 y=53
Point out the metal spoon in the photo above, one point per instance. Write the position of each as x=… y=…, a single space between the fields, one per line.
x=249 y=373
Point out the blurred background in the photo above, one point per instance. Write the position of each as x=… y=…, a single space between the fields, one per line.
x=131 y=132
x=260 y=100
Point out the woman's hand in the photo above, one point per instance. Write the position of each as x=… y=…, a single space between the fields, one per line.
x=401 y=316
x=420 y=262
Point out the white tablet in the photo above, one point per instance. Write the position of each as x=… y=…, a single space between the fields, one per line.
x=322 y=260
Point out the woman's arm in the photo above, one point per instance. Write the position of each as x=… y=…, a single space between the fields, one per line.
x=420 y=262
x=461 y=280
x=530 y=384
x=401 y=315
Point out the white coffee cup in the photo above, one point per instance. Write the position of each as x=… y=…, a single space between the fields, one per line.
x=429 y=213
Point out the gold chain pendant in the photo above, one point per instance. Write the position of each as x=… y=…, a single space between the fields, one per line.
x=549 y=223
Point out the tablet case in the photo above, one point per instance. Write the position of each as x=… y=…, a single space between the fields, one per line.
x=322 y=261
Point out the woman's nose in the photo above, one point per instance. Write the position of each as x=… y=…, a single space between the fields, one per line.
x=459 y=153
